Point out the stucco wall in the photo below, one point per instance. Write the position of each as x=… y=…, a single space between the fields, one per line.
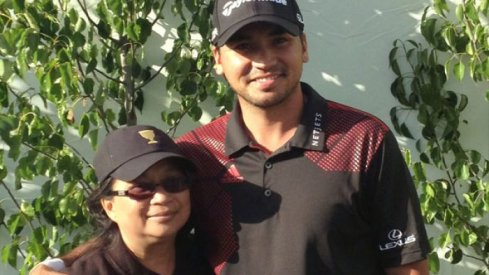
x=349 y=42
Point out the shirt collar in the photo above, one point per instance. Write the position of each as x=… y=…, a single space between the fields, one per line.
x=310 y=134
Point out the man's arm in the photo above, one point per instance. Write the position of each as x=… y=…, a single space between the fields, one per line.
x=43 y=269
x=416 y=268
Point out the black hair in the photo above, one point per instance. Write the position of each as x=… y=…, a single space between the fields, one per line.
x=106 y=230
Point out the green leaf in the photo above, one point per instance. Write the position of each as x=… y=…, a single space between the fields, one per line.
x=407 y=157
x=195 y=113
x=395 y=119
x=430 y=190
x=15 y=224
x=92 y=64
x=56 y=141
x=19 y=5
x=144 y=28
x=183 y=33
x=450 y=36
x=64 y=205
x=2 y=215
x=84 y=126
x=459 y=70
x=440 y=6
x=27 y=209
x=419 y=171
x=434 y=262
x=4 y=99
x=462 y=171
x=469 y=201
x=188 y=87
x=464 y=101
x=7 y=124
x=393 y=61
x=9 y=254
x=66 y=76
x=405 y=131
x=428 y=29
x=139 y=101
x=35 y=246
x=5 y=69
x=103 y=29
x=468 y=238
x=93 y=138
x=475 y=156
x=455 y=255
x=88 y=85
x=445 y=240
x=485 y=67
x=459 y=12
x=484 y=4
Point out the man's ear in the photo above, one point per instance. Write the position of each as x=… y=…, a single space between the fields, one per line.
x=108 y=206
x=217 y=60
x=305 y=51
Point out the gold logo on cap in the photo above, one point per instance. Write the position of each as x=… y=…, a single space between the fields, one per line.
x=149 y=135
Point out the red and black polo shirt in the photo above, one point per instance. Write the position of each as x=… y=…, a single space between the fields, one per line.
x=336 y=199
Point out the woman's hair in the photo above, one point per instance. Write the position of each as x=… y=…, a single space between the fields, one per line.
x=106 y=230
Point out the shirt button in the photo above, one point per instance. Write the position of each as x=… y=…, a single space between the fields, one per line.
x=268 y=165
x=268 y=192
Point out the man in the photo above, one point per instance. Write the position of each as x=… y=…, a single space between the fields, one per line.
x=291 y=183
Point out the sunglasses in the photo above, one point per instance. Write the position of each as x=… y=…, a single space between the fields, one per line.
x=143 y=191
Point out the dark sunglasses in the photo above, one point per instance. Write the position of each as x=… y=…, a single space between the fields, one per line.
x=143 y=191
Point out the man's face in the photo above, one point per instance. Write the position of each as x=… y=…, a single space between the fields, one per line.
x=262 y=63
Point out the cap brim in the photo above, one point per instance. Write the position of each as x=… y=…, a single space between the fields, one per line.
x=286 y=24
x=134 y=168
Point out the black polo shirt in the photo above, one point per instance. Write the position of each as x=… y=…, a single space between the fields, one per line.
x=336 y=199
x=116 y=259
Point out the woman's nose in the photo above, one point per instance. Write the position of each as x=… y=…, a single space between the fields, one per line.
x=161 y=195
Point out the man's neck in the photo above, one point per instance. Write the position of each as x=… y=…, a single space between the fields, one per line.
x=272 y=127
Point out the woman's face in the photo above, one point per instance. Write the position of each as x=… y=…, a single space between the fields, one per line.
x=153 y=218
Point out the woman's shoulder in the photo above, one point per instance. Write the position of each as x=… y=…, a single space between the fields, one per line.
x=110 y=260
x=190 y=258
x=93 y=262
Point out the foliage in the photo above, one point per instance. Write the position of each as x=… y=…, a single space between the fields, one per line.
x=70 y=71
x=453 y=179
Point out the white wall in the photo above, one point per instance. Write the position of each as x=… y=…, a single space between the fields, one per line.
x=349 y=42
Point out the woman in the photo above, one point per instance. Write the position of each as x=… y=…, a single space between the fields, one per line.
x=143 y=207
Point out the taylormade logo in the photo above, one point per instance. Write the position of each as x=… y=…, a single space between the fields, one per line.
x=228 y=8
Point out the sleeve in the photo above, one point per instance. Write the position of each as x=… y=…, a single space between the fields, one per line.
x=398 y=223
x=56 y=264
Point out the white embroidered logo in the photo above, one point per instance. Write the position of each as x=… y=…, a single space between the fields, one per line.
x=397 y=239
x=228 y=8
x=317 y=129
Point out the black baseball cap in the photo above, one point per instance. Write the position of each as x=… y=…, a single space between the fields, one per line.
x=129 y=151
x=231 y=15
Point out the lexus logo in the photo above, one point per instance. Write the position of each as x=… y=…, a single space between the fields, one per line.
x=395 y=234
x=396 y=239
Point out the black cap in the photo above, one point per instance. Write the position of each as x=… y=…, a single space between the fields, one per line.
x=231 y=15
x=127 y=152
